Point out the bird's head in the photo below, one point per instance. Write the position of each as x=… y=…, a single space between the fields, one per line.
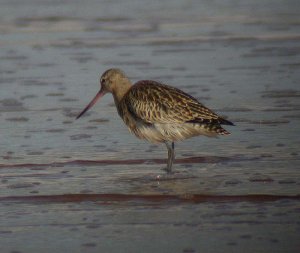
x=112 y=78
x=112 y=81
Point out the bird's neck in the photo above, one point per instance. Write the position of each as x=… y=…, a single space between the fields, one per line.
x=121 y=90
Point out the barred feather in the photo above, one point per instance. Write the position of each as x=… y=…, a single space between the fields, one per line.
x=158 y=112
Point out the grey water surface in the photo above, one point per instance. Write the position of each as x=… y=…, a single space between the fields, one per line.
x=88 y=185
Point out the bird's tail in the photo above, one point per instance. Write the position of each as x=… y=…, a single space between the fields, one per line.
x=223 y=121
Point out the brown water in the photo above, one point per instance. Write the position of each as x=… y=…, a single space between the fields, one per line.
x=90 y=186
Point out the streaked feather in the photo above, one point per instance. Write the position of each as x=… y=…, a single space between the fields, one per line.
x=154 y=102
x=158 y=112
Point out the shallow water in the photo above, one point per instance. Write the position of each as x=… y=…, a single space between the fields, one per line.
x=88 y=185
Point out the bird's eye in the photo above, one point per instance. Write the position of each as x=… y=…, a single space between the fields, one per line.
x=102 y=80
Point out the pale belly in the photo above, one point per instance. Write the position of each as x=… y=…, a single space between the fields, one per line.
x=170 y=132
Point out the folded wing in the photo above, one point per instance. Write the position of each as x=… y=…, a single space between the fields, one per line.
x=153 y=102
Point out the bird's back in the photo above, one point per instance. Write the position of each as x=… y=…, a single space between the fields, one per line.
x=158 y=112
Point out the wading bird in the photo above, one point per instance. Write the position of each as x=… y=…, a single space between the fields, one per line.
x=158 y=112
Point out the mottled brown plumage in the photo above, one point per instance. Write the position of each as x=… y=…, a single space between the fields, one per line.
x=158 y=112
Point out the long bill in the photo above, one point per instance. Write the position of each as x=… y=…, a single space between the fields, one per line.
x=100 y=94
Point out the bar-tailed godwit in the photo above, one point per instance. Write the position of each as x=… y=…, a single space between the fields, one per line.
x=158 y=112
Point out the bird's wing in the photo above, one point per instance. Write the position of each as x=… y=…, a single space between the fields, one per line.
x=153 y=102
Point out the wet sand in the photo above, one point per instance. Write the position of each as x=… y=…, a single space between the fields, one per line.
x=90 y=186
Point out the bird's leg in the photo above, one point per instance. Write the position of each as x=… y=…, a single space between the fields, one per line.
x=171 y=156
